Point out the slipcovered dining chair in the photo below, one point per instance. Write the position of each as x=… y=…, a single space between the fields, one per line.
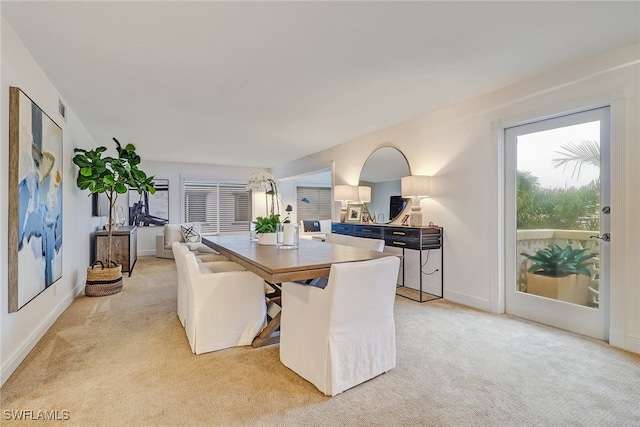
x=344 y=334
x=338 y=239
x=358 y=242
x=221 y=264
x=366 y=243
x=224 y=309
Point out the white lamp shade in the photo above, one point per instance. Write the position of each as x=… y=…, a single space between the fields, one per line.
x=364 y=193
x=416 y=186
x=345 y=192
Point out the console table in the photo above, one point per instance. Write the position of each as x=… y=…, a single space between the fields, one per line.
x=124 y=249
x=414 y=238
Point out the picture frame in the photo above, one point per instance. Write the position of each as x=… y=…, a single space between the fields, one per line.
x=147 y=209
x=35 y=200
x=365 y=217
x=354 y=212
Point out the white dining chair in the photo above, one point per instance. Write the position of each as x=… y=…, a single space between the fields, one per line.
x=338 y=239
x=223 y=309
x=366 y=243
x=222 y=264
x=344 y=334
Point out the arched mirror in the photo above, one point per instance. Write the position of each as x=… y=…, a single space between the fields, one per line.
x=382 y=172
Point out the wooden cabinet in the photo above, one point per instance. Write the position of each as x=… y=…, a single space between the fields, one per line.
x=124 y=246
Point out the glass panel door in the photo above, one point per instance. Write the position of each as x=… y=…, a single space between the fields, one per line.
x=557 y=223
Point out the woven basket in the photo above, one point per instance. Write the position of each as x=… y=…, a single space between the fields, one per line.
x=103 y=281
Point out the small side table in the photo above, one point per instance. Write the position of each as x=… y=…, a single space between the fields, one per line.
x=124 y=246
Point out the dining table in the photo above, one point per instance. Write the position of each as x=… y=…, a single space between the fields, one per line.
x=308 y=260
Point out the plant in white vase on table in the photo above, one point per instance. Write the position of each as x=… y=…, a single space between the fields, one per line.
x=266 y=226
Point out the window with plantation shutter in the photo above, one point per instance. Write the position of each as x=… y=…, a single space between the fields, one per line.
x=313 y=203
x=219 y=207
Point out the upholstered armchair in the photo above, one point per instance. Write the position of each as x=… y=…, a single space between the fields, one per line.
x=174 y=233
x=313 y=227
x=224 y=309
x=344 y=334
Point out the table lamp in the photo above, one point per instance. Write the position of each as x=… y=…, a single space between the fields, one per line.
x=344 y=193
x=364 y=194
x=416 y=187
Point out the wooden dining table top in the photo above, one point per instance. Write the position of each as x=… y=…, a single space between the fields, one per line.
x=276 y=264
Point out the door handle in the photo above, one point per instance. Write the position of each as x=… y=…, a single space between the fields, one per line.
x=606 y=237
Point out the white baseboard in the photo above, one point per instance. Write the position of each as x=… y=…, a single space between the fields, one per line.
x=632 y=344
x=626 y=342
x=20 y=354
x=468 y=300
x=149 y=252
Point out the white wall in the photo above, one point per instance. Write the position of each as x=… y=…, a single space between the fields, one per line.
x=175 y=173
x=460 y=147
x=20 y=331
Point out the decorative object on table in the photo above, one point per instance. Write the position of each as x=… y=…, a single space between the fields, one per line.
x=365 y=217
x=117 y=218
x=560 y=273
x=354 y=212
x=291 y=236
x=266 y=227
x=288 y=210
x=279 y=233
x=111 y=176
x=35 y=200
x=344 y=194
x=416 y=187
x=150 y=209
x=405 y=220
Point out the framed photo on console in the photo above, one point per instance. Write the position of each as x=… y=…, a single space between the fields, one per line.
x=354 y=212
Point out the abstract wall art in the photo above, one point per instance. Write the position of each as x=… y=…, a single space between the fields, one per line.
x=35 y=200
x=150 y=209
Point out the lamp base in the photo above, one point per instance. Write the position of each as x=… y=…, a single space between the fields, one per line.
x=415 y=219
x=343 y=215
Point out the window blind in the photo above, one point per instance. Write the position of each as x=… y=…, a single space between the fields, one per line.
x=318 y=205
x=219 y=207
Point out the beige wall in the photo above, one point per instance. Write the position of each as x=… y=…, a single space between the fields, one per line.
x=460 y=146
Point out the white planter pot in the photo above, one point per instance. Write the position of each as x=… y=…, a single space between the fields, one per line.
x=268 y=239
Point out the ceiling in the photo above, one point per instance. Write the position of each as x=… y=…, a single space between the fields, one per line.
x=261 y=83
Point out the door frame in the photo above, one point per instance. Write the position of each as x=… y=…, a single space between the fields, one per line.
x=506 y=223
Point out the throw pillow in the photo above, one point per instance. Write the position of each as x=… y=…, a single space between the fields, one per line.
x=311 y=225
x=191 y=234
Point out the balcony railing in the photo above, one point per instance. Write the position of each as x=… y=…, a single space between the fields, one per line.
x=530 y=241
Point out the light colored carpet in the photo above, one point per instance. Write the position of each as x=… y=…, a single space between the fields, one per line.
x=124 y=360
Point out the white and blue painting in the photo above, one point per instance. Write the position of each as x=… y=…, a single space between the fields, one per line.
x=39 y=201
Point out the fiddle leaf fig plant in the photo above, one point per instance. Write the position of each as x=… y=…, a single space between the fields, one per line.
x=111 y=176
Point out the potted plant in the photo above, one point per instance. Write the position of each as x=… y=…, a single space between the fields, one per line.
x=560 y=273
x=266 y=227
x=111 y=176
